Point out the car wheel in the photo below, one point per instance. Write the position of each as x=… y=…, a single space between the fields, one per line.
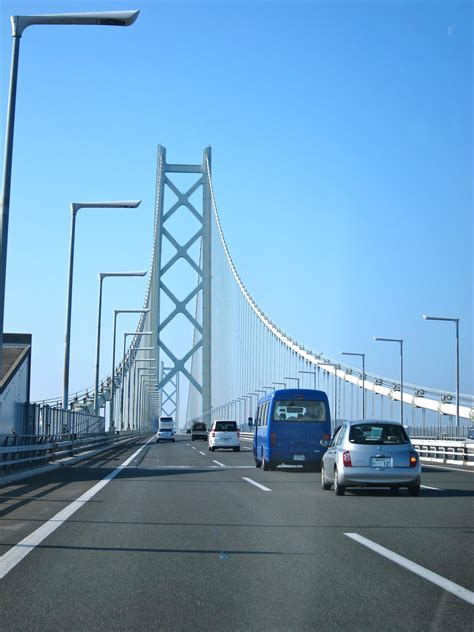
x=340 y=490
x=237 y=449
x=324 y=483
x=258 y=463
x=266 y=464
x=414 y=490
x=213 y=449
x=209 y=448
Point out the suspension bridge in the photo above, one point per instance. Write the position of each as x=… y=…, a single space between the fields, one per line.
x=204 y=349
x=173 y=537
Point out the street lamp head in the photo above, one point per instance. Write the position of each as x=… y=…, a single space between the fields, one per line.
x=103 y=18
x=75 y=206
x=121 y=274
x=453 y=320
x=131 y=311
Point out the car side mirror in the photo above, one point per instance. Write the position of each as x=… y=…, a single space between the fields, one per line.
x=325 y=443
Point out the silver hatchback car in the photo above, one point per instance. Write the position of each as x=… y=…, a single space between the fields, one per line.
x=370 y=453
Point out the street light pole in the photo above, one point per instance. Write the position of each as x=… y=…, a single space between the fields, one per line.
x=400 y=342
x=313 y=373
x=138 y=391
x=75 y=206
x=456 y=322
x=133 y=333
x=135 y=388
x=102 y=276
x=361 y=355
x=335 y=387
x=19 y=23
x=112 y=386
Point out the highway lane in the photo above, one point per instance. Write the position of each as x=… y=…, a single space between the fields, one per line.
x=176 y=541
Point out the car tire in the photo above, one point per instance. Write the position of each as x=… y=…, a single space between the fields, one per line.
x=324 y=483
x=213 y=449
x=339 y=490
x=258 y=463
x=209 y=448
x=267 y=466
x=414 y=490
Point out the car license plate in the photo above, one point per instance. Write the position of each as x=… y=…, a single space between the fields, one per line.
x=379 y=462
x=298 y=457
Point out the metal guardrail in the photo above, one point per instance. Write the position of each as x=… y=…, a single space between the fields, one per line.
x=19 y=453
x=41 y=419
x=457 y=451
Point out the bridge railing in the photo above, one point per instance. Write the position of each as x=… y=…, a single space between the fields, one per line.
x=42 y=419
x=25 y=453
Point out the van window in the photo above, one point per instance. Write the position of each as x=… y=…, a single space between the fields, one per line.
x=226 y=426
x=264 y=420
x=300 y=410
x=199 y=426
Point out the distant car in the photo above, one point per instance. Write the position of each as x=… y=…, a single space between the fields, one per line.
x=370 y=453
x=199 y=431
x=470 y=436
x=188 y=430
x=165 y=434
x=224 y=434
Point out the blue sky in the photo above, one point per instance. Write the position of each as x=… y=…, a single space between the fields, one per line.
x=342 y=164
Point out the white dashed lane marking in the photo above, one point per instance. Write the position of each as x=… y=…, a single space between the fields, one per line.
x=434 y=578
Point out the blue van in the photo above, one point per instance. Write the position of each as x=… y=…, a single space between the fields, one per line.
x=289 y=425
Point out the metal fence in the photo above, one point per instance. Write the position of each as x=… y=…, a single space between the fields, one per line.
x=438 y=432
x=21 y=453
x=42 y=419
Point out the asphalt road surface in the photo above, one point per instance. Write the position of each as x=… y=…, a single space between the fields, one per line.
x=174 y=537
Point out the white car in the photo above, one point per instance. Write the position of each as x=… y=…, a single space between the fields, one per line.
x=224 y=434
x=165 y=434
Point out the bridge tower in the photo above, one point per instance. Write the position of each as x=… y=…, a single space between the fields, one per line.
x=174 y=207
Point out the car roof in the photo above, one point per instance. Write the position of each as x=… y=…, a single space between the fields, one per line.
x=352 y=422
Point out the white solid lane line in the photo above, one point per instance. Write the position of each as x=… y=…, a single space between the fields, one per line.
x=12 y=557
x=218 y=463
x=428 y=487
x=434 y=578
x=446 y=468
x=252 y=482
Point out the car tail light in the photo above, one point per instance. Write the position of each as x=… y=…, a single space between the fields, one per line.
x=413 y=459
x=273 y=439
x=346 y=458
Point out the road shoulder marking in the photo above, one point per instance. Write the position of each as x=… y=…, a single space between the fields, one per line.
x=11 y=558
x=434 y=578
x=252 y=482
x=446 y=469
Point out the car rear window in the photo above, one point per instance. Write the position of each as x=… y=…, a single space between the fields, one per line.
x=384 y=434
x=199 y=426
x=299 y=410
x=226 y=426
